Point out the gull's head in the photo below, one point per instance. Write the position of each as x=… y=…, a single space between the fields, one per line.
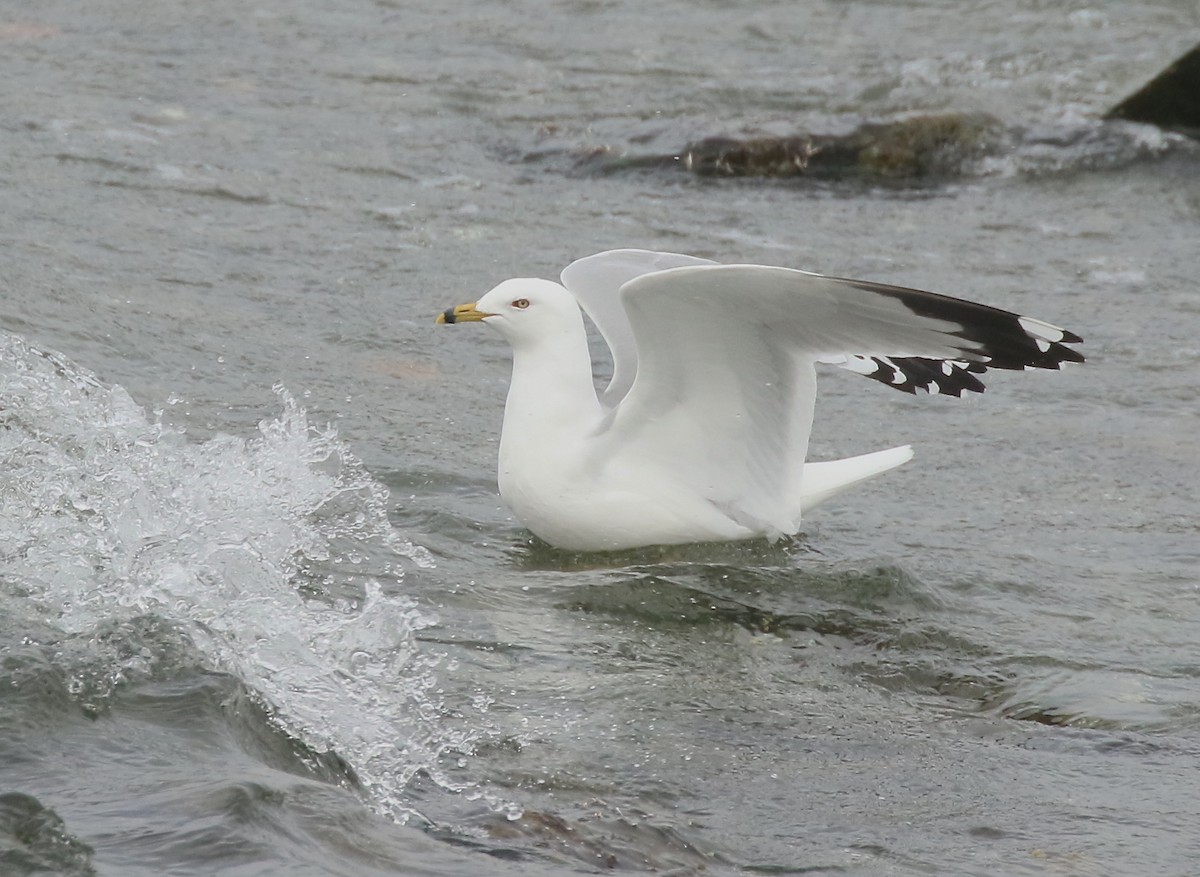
x=522 y=310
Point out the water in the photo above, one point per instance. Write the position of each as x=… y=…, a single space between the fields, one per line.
x=263 y=612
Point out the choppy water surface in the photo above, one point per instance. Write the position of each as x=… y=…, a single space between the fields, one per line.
x=262 y=611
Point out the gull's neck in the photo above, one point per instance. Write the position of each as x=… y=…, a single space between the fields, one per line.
x=552 y=394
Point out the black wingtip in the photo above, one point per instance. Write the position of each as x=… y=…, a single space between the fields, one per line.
x=991 y=338
x=935 y=376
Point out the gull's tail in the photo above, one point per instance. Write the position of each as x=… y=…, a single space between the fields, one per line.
x=822 y=481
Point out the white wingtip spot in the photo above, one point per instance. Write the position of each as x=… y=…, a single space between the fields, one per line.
x=861 y=365
x=1041 y=331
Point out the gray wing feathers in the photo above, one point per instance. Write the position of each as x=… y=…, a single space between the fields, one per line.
x=595 y=281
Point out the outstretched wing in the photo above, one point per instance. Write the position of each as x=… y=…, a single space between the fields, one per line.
x=1017 y=343
x=725 y=382
x=595 y=281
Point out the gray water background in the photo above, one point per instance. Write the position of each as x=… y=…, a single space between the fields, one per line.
x=263 y=612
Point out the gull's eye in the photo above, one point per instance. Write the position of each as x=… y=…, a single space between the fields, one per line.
x=521 y=303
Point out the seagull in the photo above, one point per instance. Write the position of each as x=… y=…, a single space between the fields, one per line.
x=702 y=431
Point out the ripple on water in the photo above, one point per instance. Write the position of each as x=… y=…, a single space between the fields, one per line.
x=1100 y=698
x=883 y=626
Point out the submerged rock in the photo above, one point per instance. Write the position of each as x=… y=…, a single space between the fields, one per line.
x=930 y=148
x=915 y=147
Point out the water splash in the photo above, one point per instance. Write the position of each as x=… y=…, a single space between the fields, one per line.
x=272 y=556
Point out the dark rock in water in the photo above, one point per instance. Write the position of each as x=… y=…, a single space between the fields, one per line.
x=758 y=156
x=916 y=147
x=932 y=148
x=933 y=145
x=1170 y=100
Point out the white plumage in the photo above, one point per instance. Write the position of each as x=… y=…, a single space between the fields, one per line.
x=702 y=432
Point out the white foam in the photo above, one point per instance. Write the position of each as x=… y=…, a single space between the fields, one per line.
x=273 y=554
